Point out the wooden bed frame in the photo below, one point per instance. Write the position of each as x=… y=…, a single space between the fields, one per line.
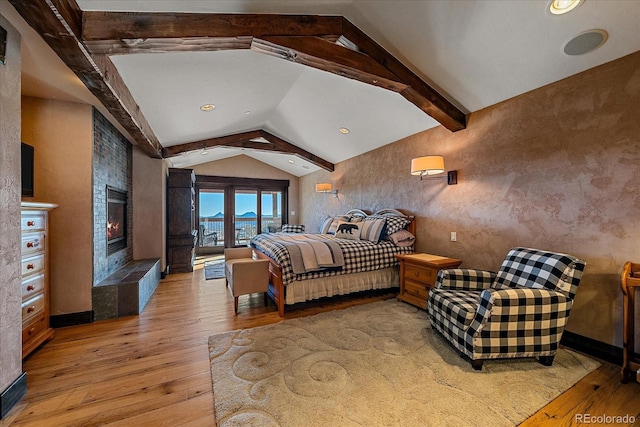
x=276 y=285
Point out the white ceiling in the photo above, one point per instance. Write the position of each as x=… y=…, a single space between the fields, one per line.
x=478 y=53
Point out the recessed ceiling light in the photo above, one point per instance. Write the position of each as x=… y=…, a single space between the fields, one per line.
x=207 y=107
x=344 y=130
x=291 y=161
x=560 y=7
x=247 y=112
x=586 y=42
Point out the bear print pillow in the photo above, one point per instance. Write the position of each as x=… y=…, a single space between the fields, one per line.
x=348 y=230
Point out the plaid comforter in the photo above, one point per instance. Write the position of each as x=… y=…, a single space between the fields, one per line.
x=359 y=256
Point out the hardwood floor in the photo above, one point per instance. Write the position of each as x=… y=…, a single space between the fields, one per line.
x=153 y=369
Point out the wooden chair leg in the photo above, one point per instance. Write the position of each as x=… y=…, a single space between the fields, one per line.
x=235 y=305
x=546 y=360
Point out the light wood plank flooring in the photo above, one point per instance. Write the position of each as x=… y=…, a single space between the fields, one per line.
x=153 y=369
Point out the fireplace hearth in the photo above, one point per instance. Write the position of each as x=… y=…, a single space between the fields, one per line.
x=116 y=220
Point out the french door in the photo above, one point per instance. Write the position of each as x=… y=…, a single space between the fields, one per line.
x=231 y=211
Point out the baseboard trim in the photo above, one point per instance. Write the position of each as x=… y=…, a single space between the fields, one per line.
x=13 y=394
x=71 y=319
x=595 y=348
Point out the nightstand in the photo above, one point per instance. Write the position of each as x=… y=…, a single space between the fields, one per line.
x=418 y=274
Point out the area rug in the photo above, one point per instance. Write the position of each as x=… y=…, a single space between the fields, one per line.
x=214 y=269
x=377 y=364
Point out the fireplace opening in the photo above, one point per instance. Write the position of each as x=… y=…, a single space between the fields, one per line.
x=116 y=220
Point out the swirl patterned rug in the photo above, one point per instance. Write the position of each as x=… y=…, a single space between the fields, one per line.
x=370 y=365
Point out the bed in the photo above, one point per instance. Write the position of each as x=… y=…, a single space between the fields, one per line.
x=359 y=262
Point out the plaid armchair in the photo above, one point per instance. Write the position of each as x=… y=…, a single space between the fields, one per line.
x=520 y=311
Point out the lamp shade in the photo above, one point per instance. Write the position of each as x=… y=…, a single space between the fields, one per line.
x=427 y=165
x=324 y=187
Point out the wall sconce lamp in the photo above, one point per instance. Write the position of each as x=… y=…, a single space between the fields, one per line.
x=430 y=166
x=326 y=187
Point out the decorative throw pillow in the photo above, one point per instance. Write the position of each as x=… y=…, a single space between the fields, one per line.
x=334 y=223
x=348 y=230
x=326 y=223
x=292 y=228
x=394 y=223
x=372 y=229
x=402 y=238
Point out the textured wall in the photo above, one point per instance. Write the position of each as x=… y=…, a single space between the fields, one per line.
x=557 y=168
x=10 y=294
x=248 y=167
x=148 y=198
x=61 y=133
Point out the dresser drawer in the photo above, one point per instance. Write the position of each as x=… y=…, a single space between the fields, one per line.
x=32 y=286
x=32 y=308
x=32 y=243
x=33 y=328
x=416 y=289
x=32 y=221
x=420 y=274
x=33 y=265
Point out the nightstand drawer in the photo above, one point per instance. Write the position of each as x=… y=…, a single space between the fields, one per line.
x=420 y=274
x=416 y=289
x=32 y=286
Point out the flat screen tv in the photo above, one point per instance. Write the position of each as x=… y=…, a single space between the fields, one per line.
x=27 y=170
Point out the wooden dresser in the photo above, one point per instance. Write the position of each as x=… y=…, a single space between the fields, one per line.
x=418 y=274
x=35 y=275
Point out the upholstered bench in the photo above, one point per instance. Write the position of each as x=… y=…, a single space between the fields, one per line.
x=245 y=273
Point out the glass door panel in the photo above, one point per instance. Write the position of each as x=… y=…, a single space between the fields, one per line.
x=211 y=219
x=271 y=220
x=246 y=217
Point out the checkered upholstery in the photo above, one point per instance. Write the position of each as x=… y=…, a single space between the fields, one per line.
x=292 y=228
x=520 y=311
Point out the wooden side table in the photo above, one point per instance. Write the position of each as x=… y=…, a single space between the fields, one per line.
x=418 y=274
x=630 y=280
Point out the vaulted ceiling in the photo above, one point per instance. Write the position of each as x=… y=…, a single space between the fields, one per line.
x=286 y=76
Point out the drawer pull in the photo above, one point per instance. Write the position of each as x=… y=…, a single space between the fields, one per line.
x=30 y=287
x=33 y=244
x=31 y=309
x=30 y=267
x=31 y=223
x=32 y=330
x=415 y=273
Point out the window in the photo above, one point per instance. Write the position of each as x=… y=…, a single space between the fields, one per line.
x=233 y=210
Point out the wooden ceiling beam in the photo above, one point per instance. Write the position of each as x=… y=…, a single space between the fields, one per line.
x=142 y=25
x=247 y=140
x=418 y=91
x=292 y=37
x=163 y=45
x=316 y=47
x=57 y=22
x=287 y=147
